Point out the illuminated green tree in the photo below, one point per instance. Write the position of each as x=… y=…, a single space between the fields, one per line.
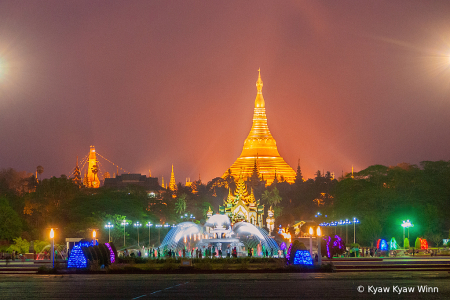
x=406 y=243
x=417 y=243
x=20 y=246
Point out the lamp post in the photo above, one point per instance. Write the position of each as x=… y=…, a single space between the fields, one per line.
x=52 y=237
x=355 y=220
x=124 y=223
x=94 y=237
x=109 y=226
x=149 y=225
x=319 y=253
x=406 y=224
x=137 y=225
x=159 y=232
x=310 y=240
x=346 y=222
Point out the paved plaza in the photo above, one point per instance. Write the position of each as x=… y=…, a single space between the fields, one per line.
x=432 y=285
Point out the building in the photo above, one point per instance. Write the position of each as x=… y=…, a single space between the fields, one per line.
x=261 y=147
x=242 y=206
x=150 y=184
x=91 y=176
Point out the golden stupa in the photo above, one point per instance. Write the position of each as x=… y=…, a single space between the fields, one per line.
x=260 y=147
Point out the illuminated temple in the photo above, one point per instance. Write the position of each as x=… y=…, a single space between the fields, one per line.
x=90 y=177
x=260 y=147
x=242 y=206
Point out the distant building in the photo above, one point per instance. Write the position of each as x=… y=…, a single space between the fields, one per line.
x=150 y=184
x=90 y=177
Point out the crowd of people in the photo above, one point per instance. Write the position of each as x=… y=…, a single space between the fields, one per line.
x=210 y=252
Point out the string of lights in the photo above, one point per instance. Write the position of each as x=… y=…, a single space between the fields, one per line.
x=112 y=163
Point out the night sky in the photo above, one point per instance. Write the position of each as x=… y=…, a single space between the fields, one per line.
x=156 y=83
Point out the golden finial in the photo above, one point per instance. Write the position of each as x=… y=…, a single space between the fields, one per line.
x=259 y=83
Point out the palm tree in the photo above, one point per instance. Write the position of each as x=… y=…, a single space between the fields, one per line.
x=180 y=205
x=40 y=170
x=271 y=198
x=94 y=170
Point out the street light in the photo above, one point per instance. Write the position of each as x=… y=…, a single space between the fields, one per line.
x=319 y=253
x=355 y=220
x=346 y=222
x=94 y=235
x=159 y=232
x=310 y=239
x=109 y=226
x=124 y=223
x=52 y=236
x=406 y=224
x=137 y=225
x=149 y=224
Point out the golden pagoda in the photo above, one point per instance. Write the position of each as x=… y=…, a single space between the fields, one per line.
x=173 y=184
x=261 y=147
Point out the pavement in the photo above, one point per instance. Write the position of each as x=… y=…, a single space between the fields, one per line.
x=373 y=285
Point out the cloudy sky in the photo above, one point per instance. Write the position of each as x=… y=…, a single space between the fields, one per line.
x=156 y=83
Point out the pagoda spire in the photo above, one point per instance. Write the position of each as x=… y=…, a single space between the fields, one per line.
x=261 y=145
x=299 y=176
x=172 y=183
x=77 y=175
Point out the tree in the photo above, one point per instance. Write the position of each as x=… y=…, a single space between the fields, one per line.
x=117 y=229
x=20 y=246
x=272 y=198
x=10 y=223
x=417 y=243
x=180 y=205
x=370 y=229
x=94 y=170
x=40 y=170
x=406 y=243
x=436 y=238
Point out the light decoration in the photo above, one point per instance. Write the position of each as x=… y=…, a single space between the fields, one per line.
x=328 y=241
x=288 y=255
x=423 y=244
x=283 y=246
x=286 y=235
x=337 y=243
x=112 y=257
x=77 y=259
x=393 y=244
x=382 y=245
x=303 y=257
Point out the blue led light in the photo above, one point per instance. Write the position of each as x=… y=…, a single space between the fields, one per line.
x=303 y=257
x=77 y=258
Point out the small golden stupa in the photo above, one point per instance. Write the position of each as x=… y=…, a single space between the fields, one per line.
x=260 y=147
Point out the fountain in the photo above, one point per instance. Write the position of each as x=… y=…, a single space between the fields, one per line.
x=218 y=233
